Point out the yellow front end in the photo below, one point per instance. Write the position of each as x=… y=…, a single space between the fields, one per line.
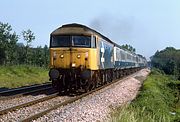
x=67 y=58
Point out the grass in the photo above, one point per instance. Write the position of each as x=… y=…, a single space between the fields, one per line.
x=17 y=76
x=158 y=101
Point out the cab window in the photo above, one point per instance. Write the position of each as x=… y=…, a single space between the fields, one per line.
x=73 y=41
x=60 y=41
x=81 y=41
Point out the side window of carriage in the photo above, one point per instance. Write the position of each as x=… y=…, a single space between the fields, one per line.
x=93 y=42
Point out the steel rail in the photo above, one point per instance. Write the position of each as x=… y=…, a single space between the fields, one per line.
x=23 y=89
x=35 y=116
x=25 y=93
x=6 y=110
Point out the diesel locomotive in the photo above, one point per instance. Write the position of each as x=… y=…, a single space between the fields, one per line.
x=82 y=58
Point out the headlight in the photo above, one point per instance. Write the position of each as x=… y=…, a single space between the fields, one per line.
x=62 y=56
x=73 y=64
x=78 y=56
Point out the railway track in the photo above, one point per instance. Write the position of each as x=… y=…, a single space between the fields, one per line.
x=24 y=91
x=73 y=99
x=50 y=107
x=4 y=111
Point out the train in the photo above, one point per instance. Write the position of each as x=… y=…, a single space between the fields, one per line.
x=83 y=59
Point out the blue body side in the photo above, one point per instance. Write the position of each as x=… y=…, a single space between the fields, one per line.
x=106 y=55
x=141 y=64
x=123 y=64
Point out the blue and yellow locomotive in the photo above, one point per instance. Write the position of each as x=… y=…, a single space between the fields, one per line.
x=82 y=58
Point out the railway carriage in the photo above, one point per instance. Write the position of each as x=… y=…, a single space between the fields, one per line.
x=82 y=58
x=123 y=59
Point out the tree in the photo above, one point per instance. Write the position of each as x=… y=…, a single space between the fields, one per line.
x=46 y=55
x=41 y=56
x=12 y=53
x=8 y=40
x=129 y=48
x=21 y=51
x=2 y=55
x=28 y=37
x=167 y=60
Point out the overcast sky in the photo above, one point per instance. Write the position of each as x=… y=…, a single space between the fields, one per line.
x=147 y=25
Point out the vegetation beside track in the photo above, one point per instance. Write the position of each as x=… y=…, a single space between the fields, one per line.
x=22 y=75
x=159 y=100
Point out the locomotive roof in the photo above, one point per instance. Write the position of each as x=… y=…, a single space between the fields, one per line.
x=94 y=31
x=104 y=37
x=85 y=27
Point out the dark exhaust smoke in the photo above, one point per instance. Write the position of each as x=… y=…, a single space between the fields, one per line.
x=117 y=29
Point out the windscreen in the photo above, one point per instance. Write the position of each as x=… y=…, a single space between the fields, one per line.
x=60 y=41
x=70 y=41
x=81 y=41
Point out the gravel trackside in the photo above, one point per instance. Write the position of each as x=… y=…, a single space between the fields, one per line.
x=97 y=106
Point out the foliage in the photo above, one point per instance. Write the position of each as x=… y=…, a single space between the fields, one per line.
x=8 y=40
x=13 y=53
x=156 y=102
x=28 y=37
x=129 y=48
x=167 y=60
x=22 y=75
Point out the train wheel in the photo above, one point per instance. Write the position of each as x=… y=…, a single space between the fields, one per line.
x=118 y=74
x=105 y=78
x=62 y=87
x=109 y=76
x=83 y=82
x=87 y=87
x=94 y=81
x=97 y=79
x=93 y=85
x=54 y=84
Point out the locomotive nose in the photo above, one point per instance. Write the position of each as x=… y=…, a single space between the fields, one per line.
x=70 y=58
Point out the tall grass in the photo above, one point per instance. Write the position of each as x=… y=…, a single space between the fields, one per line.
x=157 y=102
x=17 y=76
